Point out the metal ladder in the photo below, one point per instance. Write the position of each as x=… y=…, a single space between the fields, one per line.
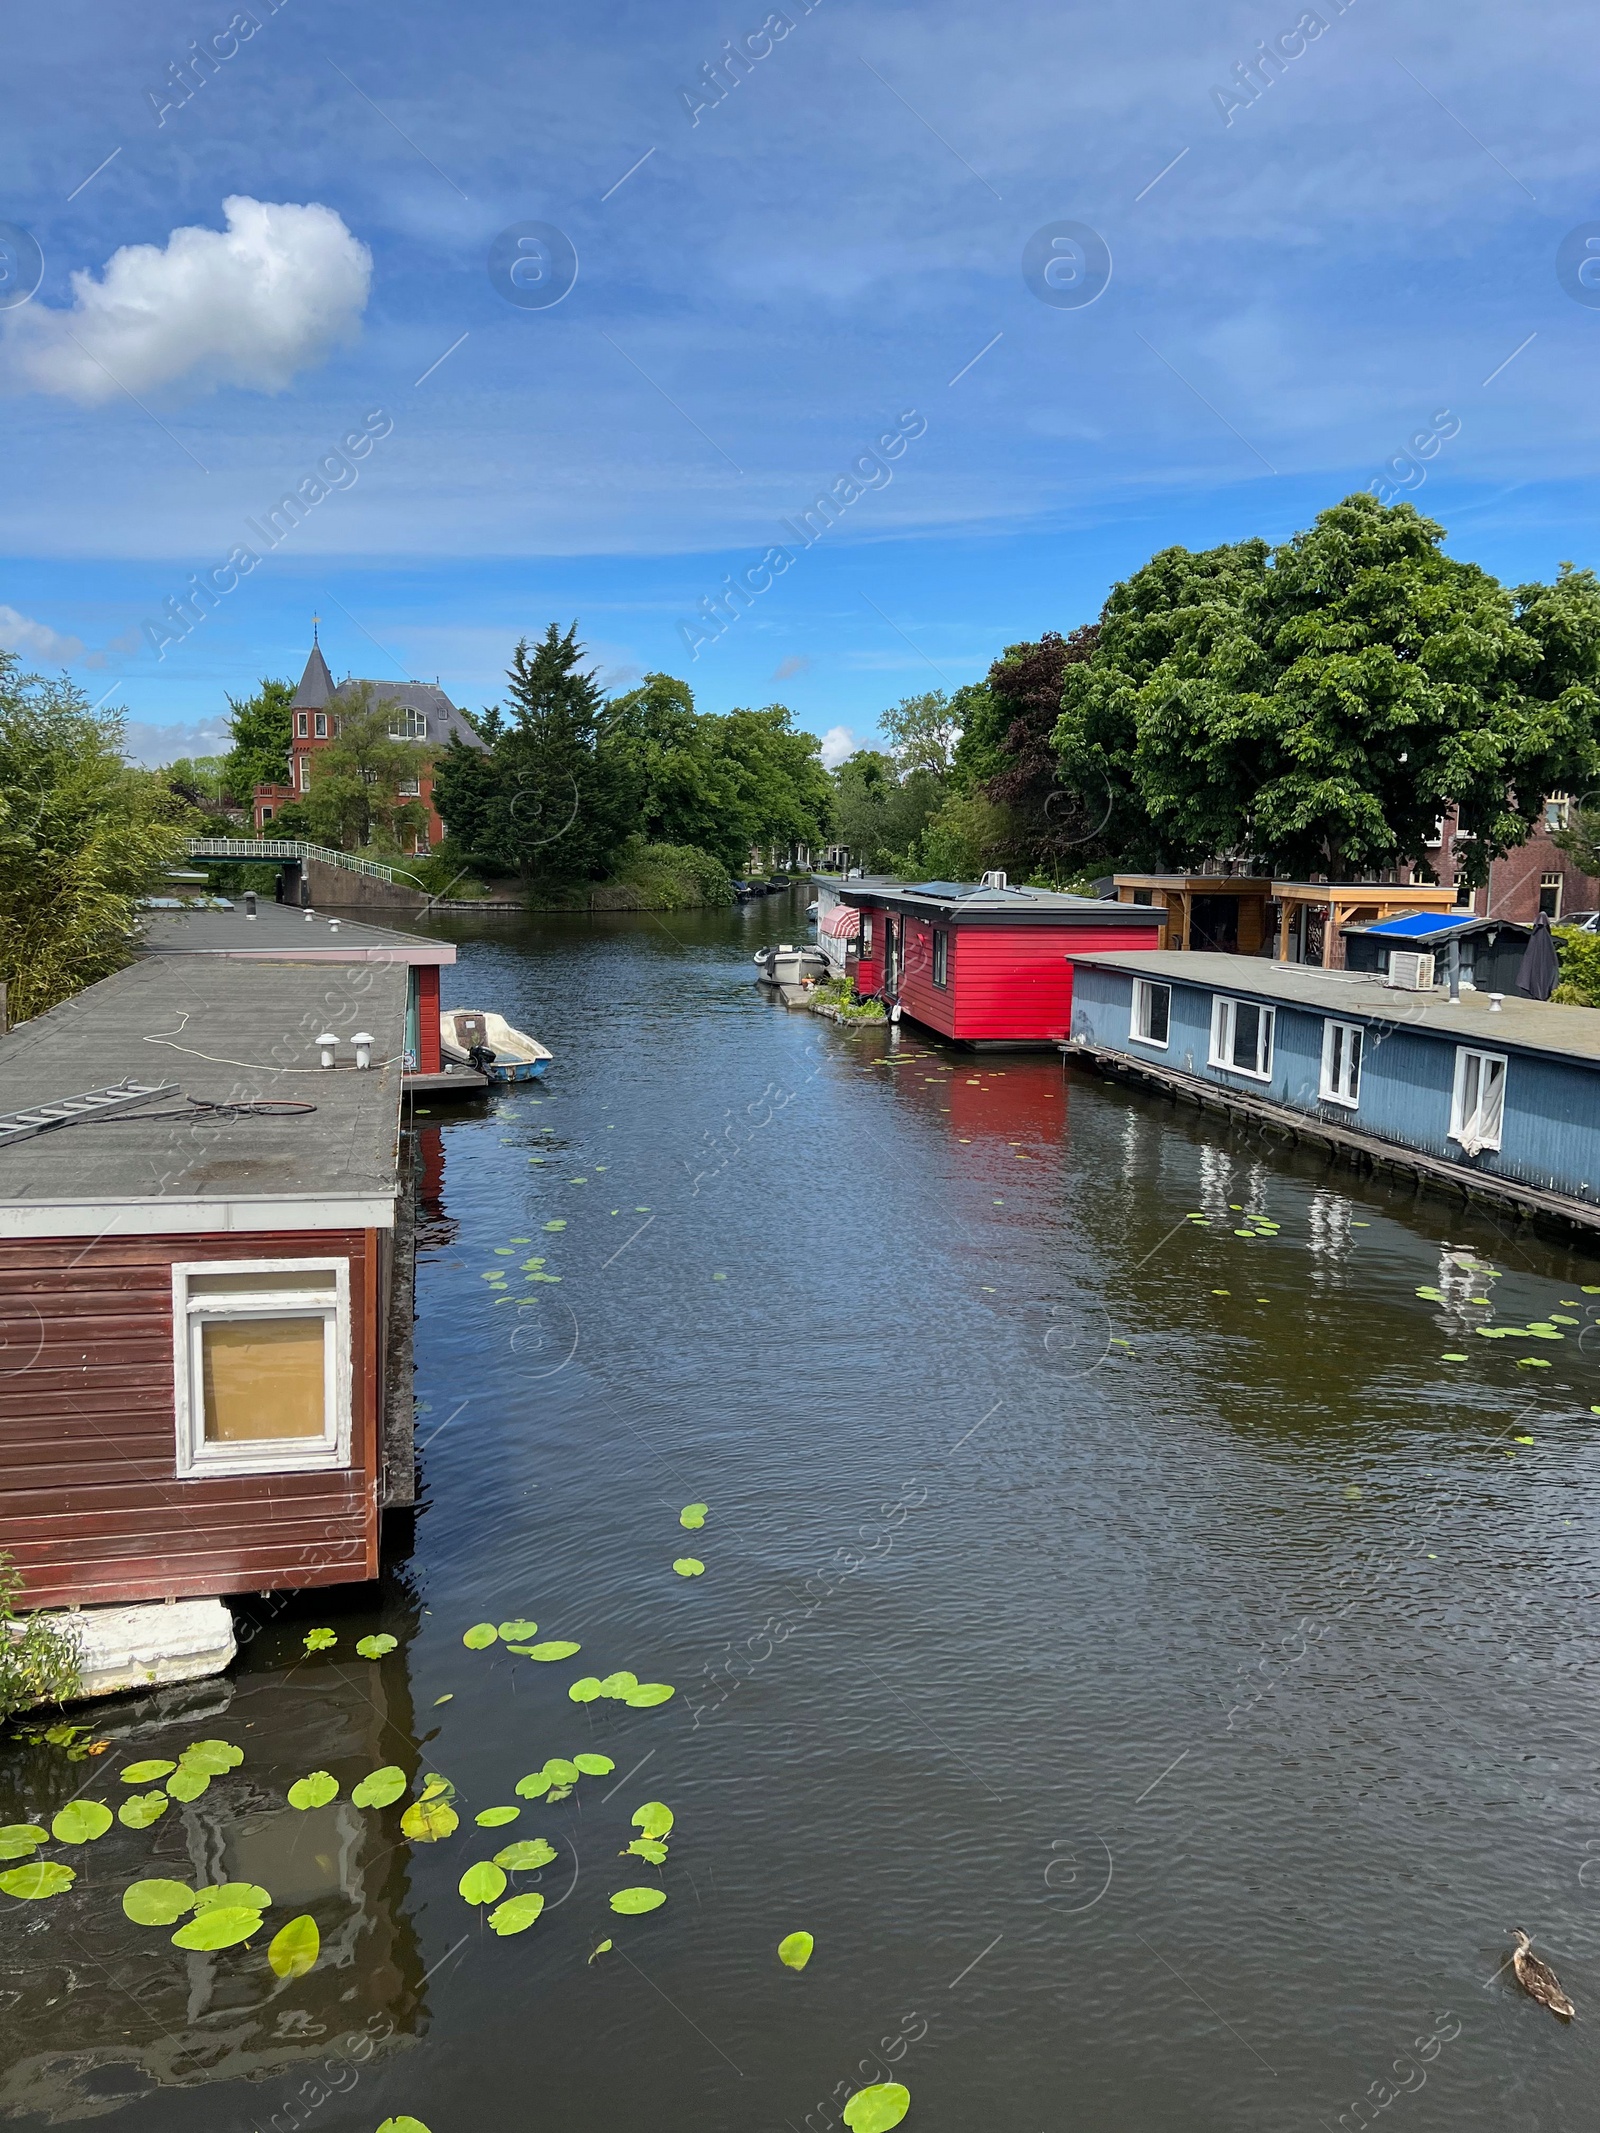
x=73 y=1110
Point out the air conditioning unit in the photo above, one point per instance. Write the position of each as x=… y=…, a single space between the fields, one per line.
x=1410 y=971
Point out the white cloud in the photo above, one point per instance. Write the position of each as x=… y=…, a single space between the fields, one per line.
x=36 y=640
x=152 y=746
x=249 y=305
x=837 y=743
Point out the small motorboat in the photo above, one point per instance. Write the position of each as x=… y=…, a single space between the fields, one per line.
x=469 y=1036
x=787 y=965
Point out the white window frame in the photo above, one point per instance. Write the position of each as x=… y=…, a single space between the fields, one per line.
x=940 y=958
x=1224 y=1012
x=196 y=1458
x=1144 y=989
x=1343 y=1087
x=320 y=725
x=1467 y=1126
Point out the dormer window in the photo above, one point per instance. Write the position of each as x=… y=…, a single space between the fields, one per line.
x=407 y=725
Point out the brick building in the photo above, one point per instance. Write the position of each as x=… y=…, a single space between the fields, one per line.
x=1537 y=876
x=420 y=711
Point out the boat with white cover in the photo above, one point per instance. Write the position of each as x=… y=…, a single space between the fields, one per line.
x=470 y=1036
x=787 y=965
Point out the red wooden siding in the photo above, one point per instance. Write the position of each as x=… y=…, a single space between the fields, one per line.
x=1005 y=983
x=91 y=1508
x=429 y=1057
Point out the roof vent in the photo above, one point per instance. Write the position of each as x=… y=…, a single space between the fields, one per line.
x=994 y=879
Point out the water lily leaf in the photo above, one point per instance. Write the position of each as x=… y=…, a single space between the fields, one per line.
x=187 y=1784
x=1453 y=1359
x=157 y=1903
x=496 y=1817
x=480 y=1636
x=427 y=1820
x=321 y=1640
x=876 y=2109
x=586 y=1690
x=555 y=1225
x=619 y=1684
x=220 y=1926
x=1560 y=1318
x=1522 y=1440
x=313 y=1791
x=689 y=1566
x=593 y=1766
x=42 y=1877
x=375 y=1647
x=518 y=1632
x=654 y=1818
x=483 y=1882
x=17 y=1839
x=650 y=1848
x=603 y=1949
x=794 y=1950
x=80 y=1822
x=215 y=1757
x=557 y=1792
x=557 y=1648
x=560 y=1772
x=632 y=1903
x=648 y=1694
x=140 y=1811
x=1532 y=1362
x=147 y=1773
x=295 y=1947
x=533 y=1786
x=526 y=1857
x=402 y=2125
x=381 y=1788
x=238 y=1895
x=516 y=1915
x=693 y=1516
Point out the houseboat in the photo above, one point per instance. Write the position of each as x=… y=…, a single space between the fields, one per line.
x=982 y=962
x=1496 y=1096
x=1482 y=953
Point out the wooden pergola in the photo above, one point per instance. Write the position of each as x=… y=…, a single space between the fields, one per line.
x=1351 y=903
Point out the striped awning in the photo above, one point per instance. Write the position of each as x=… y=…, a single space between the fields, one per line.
x=843 y=923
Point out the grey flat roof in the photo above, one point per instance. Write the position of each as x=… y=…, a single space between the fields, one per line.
x=966 y=902
x=279 y=930
x=227 y=1031
x=1525 y=1025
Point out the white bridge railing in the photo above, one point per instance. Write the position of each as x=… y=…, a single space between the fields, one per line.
x=292 y=848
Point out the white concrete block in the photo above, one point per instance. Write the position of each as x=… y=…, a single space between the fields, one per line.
x=144 y=1646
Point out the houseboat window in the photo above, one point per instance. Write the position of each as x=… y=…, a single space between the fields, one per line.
x=1341 y=1063
x=866 y=933
x=1478 y=1102
x=1144 y=896
x=1241 y=1037
x=941 y=957
x=261 y=1359
x=300 y=724
x=1152 y=1012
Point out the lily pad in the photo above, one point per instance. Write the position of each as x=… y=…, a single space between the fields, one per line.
x=321 y=1640
x=428 y=1819
x=555 y=1225
x=496 y=1817
x=689 y=1566
x=236 y=1895
x=187 y=1784
x=517 y=1914
x=313 y=1791
x=147 y=1773
x=593 y=1766
x=876 y=2109
x=1453 y=1358
x=1522 y=1440
x=632 y=1903
x=794 y=1950
x=650 y=1848
x=619 y=1684
x=402 y=2125
x=41 y=1877
x=654 y=1819
x=295 y=1947
x=560 y=1772
x=480 y=1636
x=1532 y=1362
x=518 y=1632
x=381 y=1788
x=693 y=1516
x=557 y=1648
x=215 y=1757
x=533 y=1786
x=604 y=1948
x=375 y=1647
x=526 y=1857
x=80 y=1822
x=220 y=1926
x=483 y=1882
x=17 y=1839
x=585 y=1690
x=648 y=1694
x=140 y=1811
x=157 y=1903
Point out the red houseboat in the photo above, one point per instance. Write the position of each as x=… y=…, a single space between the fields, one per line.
x=983 y=963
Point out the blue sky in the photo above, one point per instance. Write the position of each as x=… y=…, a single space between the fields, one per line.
x=1299 y=285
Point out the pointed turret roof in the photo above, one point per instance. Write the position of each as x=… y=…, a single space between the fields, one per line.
x=316 y=684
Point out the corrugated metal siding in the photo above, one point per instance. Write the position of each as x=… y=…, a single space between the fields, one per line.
x=91 y=1508
x=1551 y=1134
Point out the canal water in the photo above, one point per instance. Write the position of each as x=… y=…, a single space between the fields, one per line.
x=1157 y=1678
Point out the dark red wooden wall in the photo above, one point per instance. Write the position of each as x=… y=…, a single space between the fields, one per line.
x=1006 y=983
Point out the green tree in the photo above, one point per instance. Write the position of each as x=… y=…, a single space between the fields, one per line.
x=260 y=728
x=781 y=793
x=1322 y=704
x=82 y=838
x=923 y=732
x=680 y=787
x=358 y=797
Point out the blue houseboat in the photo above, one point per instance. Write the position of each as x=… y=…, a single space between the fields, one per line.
x=1496 y=1096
